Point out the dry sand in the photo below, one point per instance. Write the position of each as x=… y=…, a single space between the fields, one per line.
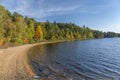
x=14 y=65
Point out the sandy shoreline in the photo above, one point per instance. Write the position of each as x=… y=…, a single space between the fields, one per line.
x=14 y=64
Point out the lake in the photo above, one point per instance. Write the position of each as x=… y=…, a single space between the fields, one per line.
x=97 y=59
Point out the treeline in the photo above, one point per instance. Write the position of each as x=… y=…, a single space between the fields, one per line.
x=16 y=29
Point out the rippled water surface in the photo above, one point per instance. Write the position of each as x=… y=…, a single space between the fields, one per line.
x=78 y=60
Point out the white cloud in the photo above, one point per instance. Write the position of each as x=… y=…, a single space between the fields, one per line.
x=36 y=8
x=22 y=6
x=27 y=7
x=64 y=8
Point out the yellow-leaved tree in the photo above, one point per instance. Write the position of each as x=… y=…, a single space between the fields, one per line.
x=39 y=33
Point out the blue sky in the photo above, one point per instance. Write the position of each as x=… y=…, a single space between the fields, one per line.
x=97 y=14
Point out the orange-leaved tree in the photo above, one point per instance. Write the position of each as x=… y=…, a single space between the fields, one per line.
x=39 y=33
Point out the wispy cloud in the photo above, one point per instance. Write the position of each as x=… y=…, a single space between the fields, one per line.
x=64 y=8
x=37 y=8
x=42 y=8
x=61 y=10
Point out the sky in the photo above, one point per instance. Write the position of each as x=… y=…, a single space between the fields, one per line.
x=96 y=14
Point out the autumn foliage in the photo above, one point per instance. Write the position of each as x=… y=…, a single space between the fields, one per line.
x=26 y=40
x=39 y=33
x=17 y=29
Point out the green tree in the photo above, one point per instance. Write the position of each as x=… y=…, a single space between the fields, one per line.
x=30 y=29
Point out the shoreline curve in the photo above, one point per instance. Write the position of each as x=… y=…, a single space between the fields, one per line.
x=29 y=68
x=14 y=63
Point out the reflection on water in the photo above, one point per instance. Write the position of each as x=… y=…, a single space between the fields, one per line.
x=78 y=60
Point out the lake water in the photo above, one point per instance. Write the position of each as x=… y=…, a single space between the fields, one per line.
x=77 y=60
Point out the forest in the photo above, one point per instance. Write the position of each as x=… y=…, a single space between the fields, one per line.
x=16 y=29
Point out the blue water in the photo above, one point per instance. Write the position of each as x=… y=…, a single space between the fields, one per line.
x=77 y=60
